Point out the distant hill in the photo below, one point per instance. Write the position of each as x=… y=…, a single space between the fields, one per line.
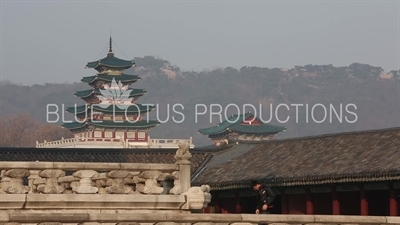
x=371 y=96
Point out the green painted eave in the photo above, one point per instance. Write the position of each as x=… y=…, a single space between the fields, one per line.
x=83 y=94
x=87 y=93
x=105 y=77
x=113 y=124
x=77 y=109
x=257 y=129
x=112 y=62
x=220 y=128
x=74 y=125
x=134 y=108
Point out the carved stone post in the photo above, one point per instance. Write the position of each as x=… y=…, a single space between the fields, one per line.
x=198 y=197
x=151 y=184
x=183 y=157
x=16 y=186
x=117 y=185
x=34 y=174
x=176 y=190
x=85 y=182
x=51 y=186
x=4 y=182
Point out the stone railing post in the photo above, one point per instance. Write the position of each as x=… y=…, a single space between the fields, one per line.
x=34 y=174
x=117 y=183
x=51 y=186
x=85 y=182
x=183 y=157
x=15 y=185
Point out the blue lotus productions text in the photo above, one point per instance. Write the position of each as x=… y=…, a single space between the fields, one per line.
x=217 y=113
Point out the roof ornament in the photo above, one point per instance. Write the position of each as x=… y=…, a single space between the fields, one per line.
x=110 y=52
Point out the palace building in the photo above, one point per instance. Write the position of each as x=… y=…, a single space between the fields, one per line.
x=238 y=128
x=351 y=173
x=110 y=117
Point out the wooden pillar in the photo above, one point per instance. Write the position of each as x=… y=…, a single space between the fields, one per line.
x=285 y=205
x=217 y=204
x=238 y=206
x=309 y=203
x=335 y=202
x=364 y=202
x=393 y=203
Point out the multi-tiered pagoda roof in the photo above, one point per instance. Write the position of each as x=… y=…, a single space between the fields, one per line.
x=104 y=116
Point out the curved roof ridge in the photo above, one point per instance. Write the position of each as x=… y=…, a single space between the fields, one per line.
x=329 y=135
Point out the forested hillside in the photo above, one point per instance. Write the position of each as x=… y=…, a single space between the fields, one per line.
x=370 y=95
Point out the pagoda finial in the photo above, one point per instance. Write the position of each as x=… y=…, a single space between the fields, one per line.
x=110 y=52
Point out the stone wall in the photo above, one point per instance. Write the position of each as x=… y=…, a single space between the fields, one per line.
x=176 y=218
x=49 y=187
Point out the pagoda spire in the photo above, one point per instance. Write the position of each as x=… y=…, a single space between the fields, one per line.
x=110 y=52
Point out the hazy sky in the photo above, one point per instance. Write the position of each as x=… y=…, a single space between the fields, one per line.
x=51 y=41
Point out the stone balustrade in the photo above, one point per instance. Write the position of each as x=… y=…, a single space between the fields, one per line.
x=115 y=142
x=168 y=143
x=179 y=218
x=58 y=143
x=89 y=178
x=89 y=187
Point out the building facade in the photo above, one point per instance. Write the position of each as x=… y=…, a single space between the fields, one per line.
x=355 y=173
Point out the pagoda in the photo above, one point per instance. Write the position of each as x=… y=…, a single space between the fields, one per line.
x=241 y=128
x=111 y=118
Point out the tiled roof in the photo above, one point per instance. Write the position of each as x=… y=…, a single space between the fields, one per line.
x=233 y=123
x=111 y=61
x=123 y=78
x=87 y=93
x=335 y=158
x=134 y=108
x=99 y=155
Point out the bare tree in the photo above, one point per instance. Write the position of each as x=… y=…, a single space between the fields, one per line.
x=21 y=130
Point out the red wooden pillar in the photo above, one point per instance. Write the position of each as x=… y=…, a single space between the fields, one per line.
x=393 y=204
x=238 y=206
x=364 y=203
x=217 y=204
x=309 y=202
x=285 y=206
x=335 y=202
